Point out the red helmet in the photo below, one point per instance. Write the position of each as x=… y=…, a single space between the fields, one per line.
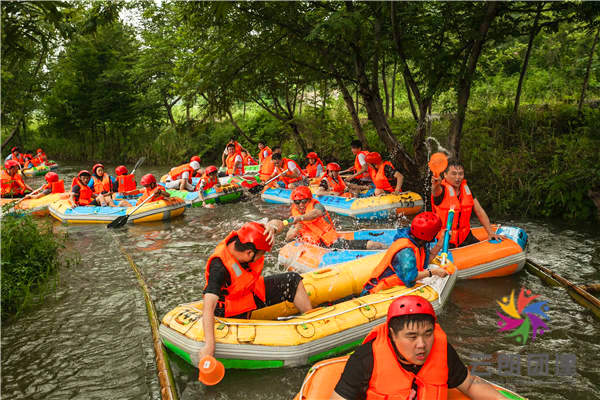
x=254 y=233
x=147 y=179
x=210 y=169
x=426 y=226
x=333 y=166
x=11 y=163
x=97 y=166
x=301 y=192
x=195 y=158
x=51 y=177
x=410 y=305
x=373 y=158
x=16 y=148
x=83 y=172
x=121 y=170
x=312 y=154
x=39 y=150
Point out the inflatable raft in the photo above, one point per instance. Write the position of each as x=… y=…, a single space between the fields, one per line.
x=39 y=170
x=373 y=207
x=154 y=211
x=221 y=195
x=480 y=260
x=322 y=378
x=39 y=207
x=277 y=337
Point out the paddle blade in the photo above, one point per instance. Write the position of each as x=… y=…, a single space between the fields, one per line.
x=256 y=189
x=118 y=222
x=438 y=163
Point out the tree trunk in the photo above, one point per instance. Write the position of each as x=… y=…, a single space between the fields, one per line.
x=357 y=103
x=394 y=87
x=301 y=101
x=169 y=109
x=360 y=134
x=532 y=35
x=298 y=137
x=466 y=79
x=13 y=132
x=240 y=130
x=385 y=89
x=410 y=100
x=587 y=73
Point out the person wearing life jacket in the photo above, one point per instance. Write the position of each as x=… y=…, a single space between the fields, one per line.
x=53 y=185
x=331 y=183
x=267 y=166
x=264 y=151
x=315 y=167
x=181 y=177
x=41 y=155
x=126 y=185
x=453 y=192
x=103 y=186
x=408 y=357
x=37 y=161
x=151 y=188
x=27 y=163
x=16 y=156
x=81 y=193
x=235 y=285
x=383 y=174
x=405 y=260
x=247 y=159
x=312 y=224
x=209 y=180
x=360 y=169
x=234 y=161
x=200 y=172
x=294 y=175
x=237 y=149
x=12 y=184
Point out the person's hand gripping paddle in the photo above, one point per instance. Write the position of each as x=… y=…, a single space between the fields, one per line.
x=258 y=188
x=122 y=220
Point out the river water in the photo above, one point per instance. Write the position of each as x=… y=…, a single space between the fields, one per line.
x=91 y=340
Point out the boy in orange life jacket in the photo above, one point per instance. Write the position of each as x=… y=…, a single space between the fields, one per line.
x=234 y=161
x=315 y=167
x=234 y=282
x=180 y=177
x=208 y=180
x=126 y=184
x=383 y=174
x=453 y=192
x=293 y=177
x=408 y=357
x=148 y=181
x=263 y=151
x=53 y=185
x=360 y=168
x=247 y=159
x=313 y=224
x=81 y=194
x=404 y=262
x=13 y=185
x=237 y=147
x=331 y=183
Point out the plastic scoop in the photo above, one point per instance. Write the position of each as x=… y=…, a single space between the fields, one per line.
x=211 y=371
x=438 y=163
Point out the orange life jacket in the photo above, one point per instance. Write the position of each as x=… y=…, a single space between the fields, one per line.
x=463 y=207
x=146 y=193
x=338 y=187
x=208 y=182
x=18 y=157
x=379 y=179
x=266 y=168
x=42 y=156
x=319 y=230
x=261 y=156
x=85 y=193
x=12 y=185
x=392 y=382
x=175 y=173
x=36 y=161
x=56 y=187
x=101 y=185
x=239 y=296
x=287 y=177
x=311 y=169
x=248 y=160
x=126 y=183
x=386 y=262
x=230 y=162
x=357 y=166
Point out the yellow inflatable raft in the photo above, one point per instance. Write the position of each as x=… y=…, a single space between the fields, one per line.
x=40 y=206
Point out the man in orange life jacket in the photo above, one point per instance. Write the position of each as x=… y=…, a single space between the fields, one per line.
x=234 y=161
x=12 y=184
x=263 y=151
x=103 y=186
x=209 y=180
x=315 y=167
x=180 y=177
x=294 y=175
x=53 y=185
x=126 y=184
x=331 y=183
x=15 y=155
x=81 y=193
x=148 y=181
x=247 y=159
x=453 y=192
x=405 y=260
x=408 y=357
x=267 y=167
x=383 y=174
x=237 y=147
x=312 y=224
x=234 y=282
x=360 y=168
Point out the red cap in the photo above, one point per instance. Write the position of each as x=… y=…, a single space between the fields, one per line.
x=121 y=170
x=373 y=158
x=410 y=305
x=51 y=177
x=254 y=233
x=332 y=166
x=147 y=179
x=39 y=150
x=312 y=154
x=425 y=226
x=301 y=192
x=210 y=169
x=195 y=158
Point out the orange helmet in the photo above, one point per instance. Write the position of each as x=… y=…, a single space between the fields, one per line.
x=425 y=226
x=373 y=158
x=301 y=192
x=254 y=233
x=332 y=166
x=410 y=305
x=147 y=179
x=51 y=177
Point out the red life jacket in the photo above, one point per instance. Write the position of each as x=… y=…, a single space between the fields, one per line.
x=12 y=185
x=386 y=262
x=101 y=185
x=239 y=296
x=338 y=187
x=311 y=169
x=18 y=157
x=126 y=183
x=261 y=156
x=357 y=166
x=463 y=207
x=85 y=193
x=379 y=179
x=319 y=230
x=56 y=187
x=208 y=182
x=146 y=193
x=230 y=162
x=175 y=173
x=42 y=156
x=248 y=160
x=266 y=168
x=287 y=177
x=36 y=161
x=390 y=381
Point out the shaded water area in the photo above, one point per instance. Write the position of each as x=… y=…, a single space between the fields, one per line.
x=92 y=339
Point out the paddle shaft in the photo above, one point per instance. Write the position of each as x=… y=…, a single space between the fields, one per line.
x=449 y=221
x=137 y=164
x=275 y=177
x=27 y=196
x=122 y=220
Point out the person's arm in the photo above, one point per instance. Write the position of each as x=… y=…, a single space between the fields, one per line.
x=208 y=324
x=164 y=192
x=272 y=228
x=399 y=179
x=293 y=172
x=238 y=163
x=72 y=198
x=309 y=216
x=44 y=192
x=476 y=388
x=223 y=157
x=436 y=186
x=485 y=221
x=184 y=178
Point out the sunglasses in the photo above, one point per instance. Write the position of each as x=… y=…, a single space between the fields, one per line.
x=298 y=202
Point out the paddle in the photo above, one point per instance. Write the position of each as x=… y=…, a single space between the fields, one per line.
x=447 y=236
x=258 y=188
x=122 y=220
x=27 y=196
x=438 y=163
x=137 y=164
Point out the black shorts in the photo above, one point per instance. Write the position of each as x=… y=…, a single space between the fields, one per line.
x=349 y=244
x=363 y=182
x=470 y=239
